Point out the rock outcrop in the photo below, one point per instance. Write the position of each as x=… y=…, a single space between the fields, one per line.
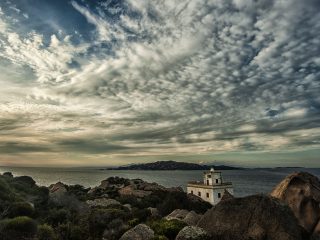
x=192 y=218
x=189 y=217
x=256 y=217
x=8 y=174
x=139 y=232
x=139 y=188
x=125 y=187
x=110 y=183
x=226 y=196
x=132 y=190
x=57 y=188
x=301 y=191
x=192 y=233
x=102 y=202
x=154 y=212
x=178 y=214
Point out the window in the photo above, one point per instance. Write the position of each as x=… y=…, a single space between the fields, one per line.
x=199 y=194
x=208 y=195
x=209 y=176
x=219 y=195
x=207 y=182
x=191 y=192
x=217 y=180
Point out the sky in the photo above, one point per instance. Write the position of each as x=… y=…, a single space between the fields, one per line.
x=114 y=82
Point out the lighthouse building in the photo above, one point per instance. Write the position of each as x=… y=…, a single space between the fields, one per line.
x=212 y=189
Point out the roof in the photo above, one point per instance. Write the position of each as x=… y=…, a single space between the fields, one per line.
x=208 y=172
x=202 y=185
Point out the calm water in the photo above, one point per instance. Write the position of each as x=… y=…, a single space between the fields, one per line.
x=245 y=181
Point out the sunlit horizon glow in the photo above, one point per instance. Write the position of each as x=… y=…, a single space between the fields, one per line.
x=100 y=83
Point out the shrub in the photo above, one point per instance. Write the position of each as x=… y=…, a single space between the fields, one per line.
x=5 y=191
x=42 y=196
x=25 y=180
x=159 y=237
x=171 y=202
x=141 y=214
x=133 y=222
x=46 y=232
x=79 y=191
x=57 y=216
x=18 y=228
x=100 y=218
x=151 y=200
x=115 y=229
x=20 y=209
x=69 y=231
x=8 y=174
x=128 y=199
x=167 y=228
x=78 y=233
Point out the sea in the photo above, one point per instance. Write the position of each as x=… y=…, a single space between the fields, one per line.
x=245 y=182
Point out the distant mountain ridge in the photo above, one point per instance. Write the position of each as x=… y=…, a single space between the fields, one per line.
x=172 y=165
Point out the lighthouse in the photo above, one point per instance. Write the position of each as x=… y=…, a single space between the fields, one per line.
x=212 y=188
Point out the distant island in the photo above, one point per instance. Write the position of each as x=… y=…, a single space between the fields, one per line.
x=171 y=165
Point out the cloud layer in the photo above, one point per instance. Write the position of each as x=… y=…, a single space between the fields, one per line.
x=135 y=78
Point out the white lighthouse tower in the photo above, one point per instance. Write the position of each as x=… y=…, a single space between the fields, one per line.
x=212 y=188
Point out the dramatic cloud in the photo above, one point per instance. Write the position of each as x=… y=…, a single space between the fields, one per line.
x=121 y=79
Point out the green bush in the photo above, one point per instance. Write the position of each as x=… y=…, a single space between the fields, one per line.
x=5 y=191
x=79 y=191
x=167 y=228
x=25 y=180
x=20 y=209
x=19 y=228
x=42 y=196
x=159 y=237
x=58 y=216
x=133 y=222
x=46 y=232
x=8 y=174
x=78 y=233
x=141 y=214
x=115 y=229
x=69 y=231
x=99 y=219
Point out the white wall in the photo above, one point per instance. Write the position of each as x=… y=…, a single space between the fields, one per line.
x=203 y=192
x=213 y=193
x=212 y=179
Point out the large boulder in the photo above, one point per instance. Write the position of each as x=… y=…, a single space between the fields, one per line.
x=57 y=188
x=301 y=191
x=256 y=217
x=178 y=214
x=139 y=232
x=188 y=217
x=192 y=233
x=192 y=218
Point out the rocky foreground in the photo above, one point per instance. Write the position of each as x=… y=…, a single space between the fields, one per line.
x=133 y=209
